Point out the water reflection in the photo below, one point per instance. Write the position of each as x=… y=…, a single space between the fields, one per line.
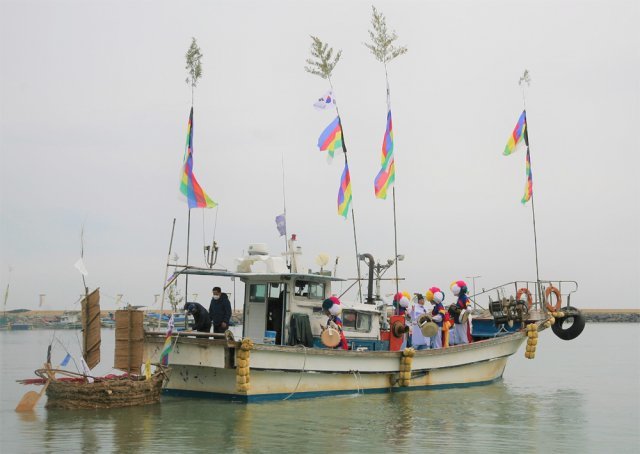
x=527 y=412
x=494 y=417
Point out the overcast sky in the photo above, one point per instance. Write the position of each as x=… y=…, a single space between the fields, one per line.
x=94 y=107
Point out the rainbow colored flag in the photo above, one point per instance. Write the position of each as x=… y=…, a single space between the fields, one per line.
x=519 y=132
x=166 y=349
x=344 y=193
x=387 y=174
x=189 y=187
x=331 y=138
x=528 y=187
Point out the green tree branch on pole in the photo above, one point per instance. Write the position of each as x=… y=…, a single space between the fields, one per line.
x=381 y=41
x=194 y=66
x=323 y=61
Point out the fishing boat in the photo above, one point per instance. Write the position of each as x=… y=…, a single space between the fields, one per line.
x=287 y=349
x=71 y=390
x=68 y=320
x=276 y=360
x=20 y=326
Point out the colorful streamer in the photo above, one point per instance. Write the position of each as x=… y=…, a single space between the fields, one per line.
x=166 y=349
x=528 y=187
x=519 y=132
x=189 y=187
x=331 y=138
x=344 y=193
x=387 y=174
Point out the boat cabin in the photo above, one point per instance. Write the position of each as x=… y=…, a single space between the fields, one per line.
x=284 y=307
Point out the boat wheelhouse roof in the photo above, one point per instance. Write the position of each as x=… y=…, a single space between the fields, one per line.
x=257 y=276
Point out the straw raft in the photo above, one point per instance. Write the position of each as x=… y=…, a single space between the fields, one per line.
x=107 y=392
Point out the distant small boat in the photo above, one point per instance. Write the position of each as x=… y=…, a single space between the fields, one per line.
x=68 y=320
x=20 y=326
x=107 y=322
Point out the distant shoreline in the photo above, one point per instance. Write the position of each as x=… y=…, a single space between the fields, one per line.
x=612 y=315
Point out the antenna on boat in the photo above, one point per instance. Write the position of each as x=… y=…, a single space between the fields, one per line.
x=211 y=254
x=284 y=203
x=526 y=79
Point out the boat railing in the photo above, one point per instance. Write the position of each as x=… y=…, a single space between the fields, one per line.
x=183 y=334
x=510 y=289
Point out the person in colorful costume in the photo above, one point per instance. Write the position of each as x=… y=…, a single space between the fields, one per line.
x=332 y=308
x=462 y=330
x=440 y=317
x=401 y=304
x=418 y=340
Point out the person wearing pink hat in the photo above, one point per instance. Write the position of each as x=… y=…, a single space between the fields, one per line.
x=461 y=329
x=439 y=315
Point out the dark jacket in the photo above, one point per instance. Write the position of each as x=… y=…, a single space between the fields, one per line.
x=220 y=310
x=201 y=319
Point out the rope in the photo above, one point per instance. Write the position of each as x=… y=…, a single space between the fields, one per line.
x=304 y=365
x=358 y=379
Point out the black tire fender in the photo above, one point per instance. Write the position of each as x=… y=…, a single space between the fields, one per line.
x=571 y=325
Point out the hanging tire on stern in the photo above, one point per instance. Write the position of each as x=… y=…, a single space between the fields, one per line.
x=571 y=325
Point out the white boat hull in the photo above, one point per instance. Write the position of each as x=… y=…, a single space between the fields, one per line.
x=207 y=367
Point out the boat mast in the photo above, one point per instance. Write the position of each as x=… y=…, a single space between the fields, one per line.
x=525 y=79
x=284 y=203
x=393 y=193
x=384 y=51
x=194 y=68
x=322 y=65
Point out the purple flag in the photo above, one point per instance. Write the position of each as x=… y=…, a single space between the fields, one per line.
x=281 y=224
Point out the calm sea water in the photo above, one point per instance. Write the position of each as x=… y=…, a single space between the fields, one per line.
x=578 y=396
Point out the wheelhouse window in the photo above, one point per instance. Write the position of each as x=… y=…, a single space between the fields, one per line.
x=311 y=290
x=257 y=293
x=363 y=322
x=349 y=319
x=356 y=321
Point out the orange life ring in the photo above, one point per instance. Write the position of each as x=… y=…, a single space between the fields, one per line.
x=526 y=292
x=551 y=289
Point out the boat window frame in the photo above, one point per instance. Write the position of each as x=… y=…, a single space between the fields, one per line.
x=311 y=295
x=356 y=326
x=253 y=296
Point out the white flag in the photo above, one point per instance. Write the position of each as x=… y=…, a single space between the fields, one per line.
x=326 y=101
x=85 y=370
x=80 y=266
